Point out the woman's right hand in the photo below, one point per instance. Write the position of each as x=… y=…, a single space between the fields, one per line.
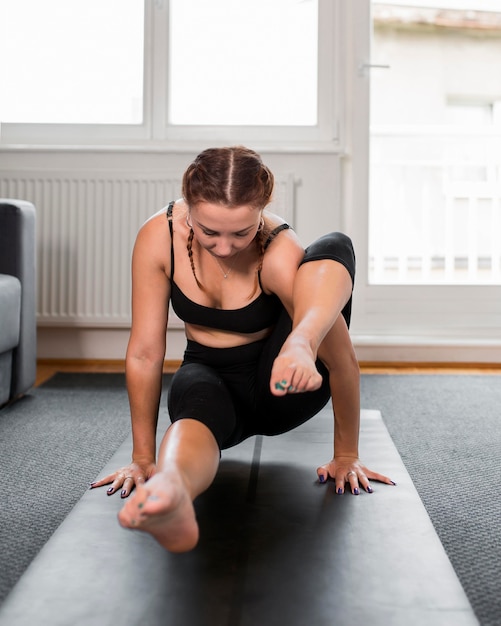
x=126 y=478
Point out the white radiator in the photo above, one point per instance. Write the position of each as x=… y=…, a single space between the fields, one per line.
x=86 y=226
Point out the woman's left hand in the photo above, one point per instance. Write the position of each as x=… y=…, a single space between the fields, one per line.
x=349 y=470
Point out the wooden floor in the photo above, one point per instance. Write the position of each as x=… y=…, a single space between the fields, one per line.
x=48 y=367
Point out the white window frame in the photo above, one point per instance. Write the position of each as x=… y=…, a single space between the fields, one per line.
x=155 y=130
x=405 y=322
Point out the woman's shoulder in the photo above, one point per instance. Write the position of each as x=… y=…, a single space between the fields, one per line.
x=272 y=219
x=279 y=233
x=282 y=255
x=155 y=228
x=158 y=224
x=153 y=239
x=163 y=215
x=281 y=259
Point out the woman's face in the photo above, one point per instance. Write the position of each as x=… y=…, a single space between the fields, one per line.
x=224 y=231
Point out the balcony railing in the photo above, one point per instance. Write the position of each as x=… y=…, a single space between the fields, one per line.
x=435 y=206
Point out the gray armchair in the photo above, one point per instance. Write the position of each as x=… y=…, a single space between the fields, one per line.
x=17 y=299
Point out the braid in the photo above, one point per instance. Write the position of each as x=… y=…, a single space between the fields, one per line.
x=261 y=237
x=189 y=247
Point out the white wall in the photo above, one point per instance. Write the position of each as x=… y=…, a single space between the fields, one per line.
x=317 y=209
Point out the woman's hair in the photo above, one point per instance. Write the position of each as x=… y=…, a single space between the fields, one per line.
x=233 y=177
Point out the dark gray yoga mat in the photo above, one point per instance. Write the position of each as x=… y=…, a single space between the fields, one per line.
x=276 y=548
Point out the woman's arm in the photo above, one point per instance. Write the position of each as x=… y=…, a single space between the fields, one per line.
x=145 y=351
x=319 y=292
x=311 y=312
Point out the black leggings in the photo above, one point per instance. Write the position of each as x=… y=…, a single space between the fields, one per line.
x=228 y=389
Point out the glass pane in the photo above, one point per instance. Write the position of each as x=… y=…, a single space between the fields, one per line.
x=243 y=62
x=435 y=164
x=71 y=61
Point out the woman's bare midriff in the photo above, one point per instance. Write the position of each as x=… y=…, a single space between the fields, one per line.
x=213 y=338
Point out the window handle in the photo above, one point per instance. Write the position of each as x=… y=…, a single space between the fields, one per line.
x=365 y=67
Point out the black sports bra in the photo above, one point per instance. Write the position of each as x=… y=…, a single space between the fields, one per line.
x=259 y=314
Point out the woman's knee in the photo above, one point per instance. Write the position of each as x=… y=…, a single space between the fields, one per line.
x=335 y=246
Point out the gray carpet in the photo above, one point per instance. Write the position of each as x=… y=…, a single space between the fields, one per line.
x=53 y=443
x=446 y=428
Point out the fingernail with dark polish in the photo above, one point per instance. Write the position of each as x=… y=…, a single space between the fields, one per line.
x=369 y=489
x=340 y=490
x=393 y=483
x=110 y=490
x=122 y=493
x=321 y=478
x=356 y=491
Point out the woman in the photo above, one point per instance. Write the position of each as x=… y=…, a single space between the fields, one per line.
x=267 y=341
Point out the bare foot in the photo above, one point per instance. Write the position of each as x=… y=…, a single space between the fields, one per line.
x=163 y=508
x=294 y=369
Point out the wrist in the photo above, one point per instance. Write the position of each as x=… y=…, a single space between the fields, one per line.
x=143 y=458
x=346 y=455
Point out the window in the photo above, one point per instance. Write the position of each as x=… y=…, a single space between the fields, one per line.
x=66 y=65
x=420 y=296
x=152 y=70
x=474 y=113
x=465 y=114
x=243 y=63
x=435 y=213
